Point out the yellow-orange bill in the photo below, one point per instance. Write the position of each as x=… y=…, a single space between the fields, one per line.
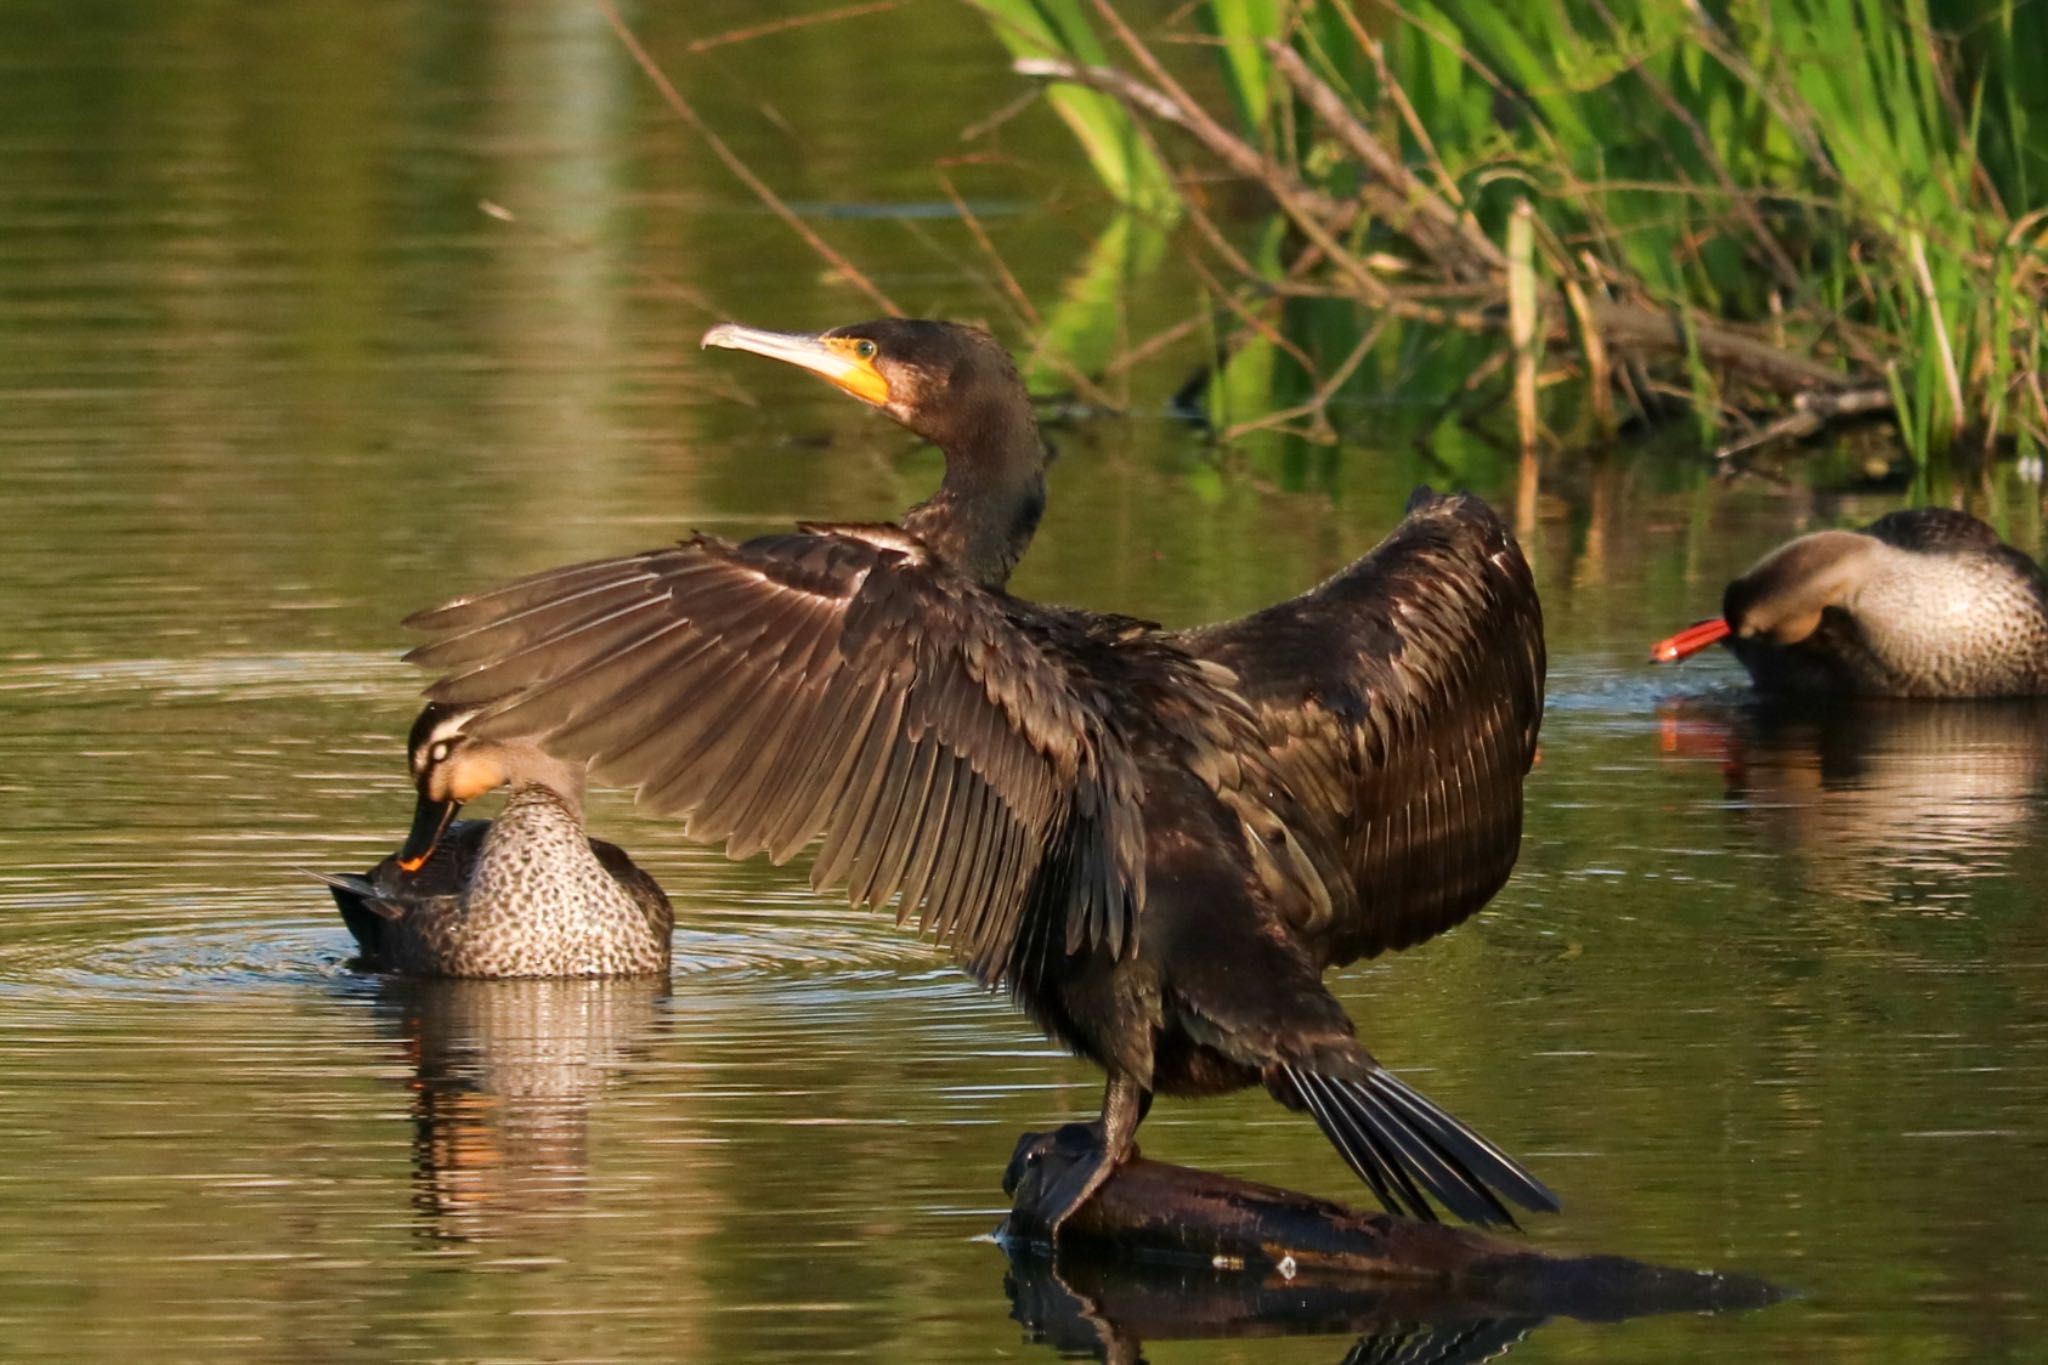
x=835 y=359
x=1689 y=641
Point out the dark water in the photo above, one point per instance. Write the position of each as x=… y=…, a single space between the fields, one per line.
x=1767 y=993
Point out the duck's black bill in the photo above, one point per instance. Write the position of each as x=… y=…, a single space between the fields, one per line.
x=430 y=820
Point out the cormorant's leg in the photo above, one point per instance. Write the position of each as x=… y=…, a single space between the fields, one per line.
x=1095 y=1149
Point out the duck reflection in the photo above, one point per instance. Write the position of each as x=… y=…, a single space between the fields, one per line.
x=1874 y=795
x=504 y=1076
x=1111 y=1309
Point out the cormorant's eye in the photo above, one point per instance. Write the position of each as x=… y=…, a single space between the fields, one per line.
x=864 y=348
x=439 y=753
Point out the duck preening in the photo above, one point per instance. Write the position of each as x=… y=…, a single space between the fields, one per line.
x=1921 y=603
x=526 y=894
x=1156 y=842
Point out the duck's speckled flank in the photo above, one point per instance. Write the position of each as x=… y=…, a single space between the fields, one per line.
x=540 y=900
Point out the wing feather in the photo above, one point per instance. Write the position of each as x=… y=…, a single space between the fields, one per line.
x=937 y=741
x=1400 y=703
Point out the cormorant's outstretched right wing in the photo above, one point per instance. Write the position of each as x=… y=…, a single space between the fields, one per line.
x=837 y=682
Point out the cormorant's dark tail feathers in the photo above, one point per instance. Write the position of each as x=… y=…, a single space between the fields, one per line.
x=1403 y=1146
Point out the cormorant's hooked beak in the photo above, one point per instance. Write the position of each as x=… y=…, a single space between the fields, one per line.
x=1689 y=641
x=430 y=820
x=846 y=362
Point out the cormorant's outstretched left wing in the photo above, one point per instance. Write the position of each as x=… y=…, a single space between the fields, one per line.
x=1401 y=700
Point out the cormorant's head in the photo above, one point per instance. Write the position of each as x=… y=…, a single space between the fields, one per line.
x=952 y=384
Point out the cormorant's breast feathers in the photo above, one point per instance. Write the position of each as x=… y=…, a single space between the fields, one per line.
x=832 y=682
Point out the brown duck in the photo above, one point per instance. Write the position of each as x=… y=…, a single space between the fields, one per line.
x=527 y=894
x=1155 y=842
x=1921 y=603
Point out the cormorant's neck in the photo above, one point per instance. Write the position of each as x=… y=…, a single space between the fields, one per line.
x=983 y=516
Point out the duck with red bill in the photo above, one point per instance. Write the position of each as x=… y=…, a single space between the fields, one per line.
x=1927 y=602
x=1689 y=641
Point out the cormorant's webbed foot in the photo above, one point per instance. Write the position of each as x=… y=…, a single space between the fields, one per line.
x=1053 y=1174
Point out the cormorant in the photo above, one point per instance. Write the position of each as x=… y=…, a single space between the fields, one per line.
x=1156 y=842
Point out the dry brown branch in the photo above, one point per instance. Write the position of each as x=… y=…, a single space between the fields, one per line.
x=1810 y=412
x=1249 y=318
x=1317 y=406
x=739 y=168
x=1237 y=155
x=989 y=122
x=660 y=282
x=743 y=35
x=1623 y=325
x=1407 y=205
x=1317 y=216
x=1524 y=318
x=1154 y=344
x=1600 y=376
x=988 y=248
x=1447 y=185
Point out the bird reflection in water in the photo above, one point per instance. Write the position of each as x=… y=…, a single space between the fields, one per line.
x=1877 y=798
x=504 y=1076
x=1110 y=1307
x=1110 y=1310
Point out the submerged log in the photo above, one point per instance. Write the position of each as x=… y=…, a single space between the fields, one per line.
x=1176 y=1215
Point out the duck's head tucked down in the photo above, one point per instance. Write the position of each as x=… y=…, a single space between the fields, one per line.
x=1925 y=602
x=956 y=387
x=451 y=768
x=1781 y=598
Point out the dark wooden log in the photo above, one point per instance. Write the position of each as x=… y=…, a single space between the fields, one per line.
x=1175 y=1215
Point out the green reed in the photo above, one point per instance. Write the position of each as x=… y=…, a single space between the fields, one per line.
x=1861 y=184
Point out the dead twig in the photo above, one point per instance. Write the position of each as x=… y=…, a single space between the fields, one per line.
x=988 y=248
x=1810 y=412
x=1404 y=202
x=1316 y=408
x=1237 y=155
x=661 y=281
x=745 y=35
x=739 y=168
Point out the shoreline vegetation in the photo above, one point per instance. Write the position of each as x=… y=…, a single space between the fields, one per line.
x=1780 y=216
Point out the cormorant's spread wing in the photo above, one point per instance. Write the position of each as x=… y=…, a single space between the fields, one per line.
x=831 y=682
x=1401 y=701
